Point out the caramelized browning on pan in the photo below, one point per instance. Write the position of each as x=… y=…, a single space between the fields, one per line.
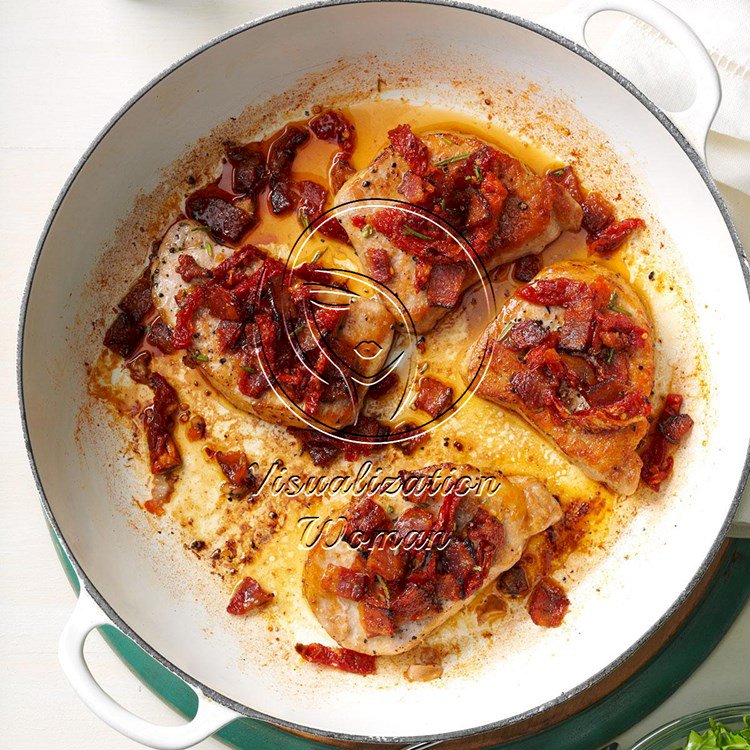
x=279 y=361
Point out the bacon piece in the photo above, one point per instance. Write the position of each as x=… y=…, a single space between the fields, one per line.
x=365 y=517
x=281 y=156
x=387 y=562
x=158 y=421
x=185 y=325
x=671 y=428
x=610 y=239
x=598 y=213
x=411 y=148
x=380 y=261
x=339 y=658
x=433 y=396
x=344 y=582
x=224 y=219
x=248 y=595
x=123 y=335
x=557 y=292
x=376 y=620
x=525 y=334
x=322 y=448
x=548 y=603
x=250 y=173
x=190 y=270
x=310 y=199
x=513 y=582
x=413 y=603
x=445 y=284
x=526 y=268
x=160 y=336
x=568 y=179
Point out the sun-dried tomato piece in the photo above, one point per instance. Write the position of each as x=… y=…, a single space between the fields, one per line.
x=612 y=237
x=433 y=396
x=411 y=148
x=189 y=269
x=333 y=127
x=123 y=335
x=281 y=155
x=376 y=620
x=310 y=200
x=158 y=421
x=235 y=466
x=250 y=173
x=339 y=658
x=344 y=582
x=598 y=213
x=566 y=177
x=548 y=603
x=341 y=170
x=380 y=262
x=184 y=329
x=248 y=595
x=322 y=448
x=160 y=336
x=413 y=603
x=558 y=292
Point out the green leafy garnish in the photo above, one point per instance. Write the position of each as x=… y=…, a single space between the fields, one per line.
x=368 y=230
x=200 y=228
x=610 y=355
x=506 y=329
x=614 y=306
x=452 y=159
x=304 y=219
x=415 y=233
x=249 y=369
x=201 y=357
x=720 y=737
x=209 y=248
x=477 y=173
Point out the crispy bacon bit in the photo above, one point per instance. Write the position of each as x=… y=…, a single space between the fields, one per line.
x=235 y=466
x=349 y=584
x=248 y=595
x=281 y=155
x=250 y=174
x=610 y=239
x=598 y=213
x=160 y=336
x=413 y=603
x=158 y=420
x=411 y=148
x=123 y=335
x=339 y=658
x=548 y=603
x=383 y=386
x=310 y=199
x=189 y=269
x=224 y=219
x=433 y=396
x=513 y=582
x=526 y=268
x=445 y=284
x=376 y=620
x=413 y=443
x=227 y=334
x=364 y=518
x=671 y=428
x=380 y=262
x=322 y=448
x=525 y=334
x=412 y=187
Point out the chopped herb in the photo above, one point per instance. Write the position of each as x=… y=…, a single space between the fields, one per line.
x=477 y=568
x=380 y=84
x=442 y=203
x=610 y=356
x=318 y=255
x=303 y=217
x=423 y=368
x=477 y=173
x=249 y=369
x=201 y=357
x=452 y=160
x=447 y=140
x=614 y=306
x=559 y=172
x=384 y=588
x=200 y=228
x=506 y=329
x=299 y=328
x=415 y=233
x=391 y=510
x=368 y=230
x=209 y=248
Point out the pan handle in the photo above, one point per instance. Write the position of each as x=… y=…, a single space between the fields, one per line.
x=695 y=121
x=87 y=615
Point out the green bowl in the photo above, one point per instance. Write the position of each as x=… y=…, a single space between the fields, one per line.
x=674 y=735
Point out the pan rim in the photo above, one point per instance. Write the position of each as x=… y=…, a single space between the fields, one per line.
x=120 y=623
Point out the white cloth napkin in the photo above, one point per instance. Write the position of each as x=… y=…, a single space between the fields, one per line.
x=652 y=63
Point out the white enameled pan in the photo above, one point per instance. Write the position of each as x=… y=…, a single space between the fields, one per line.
x=654 y=565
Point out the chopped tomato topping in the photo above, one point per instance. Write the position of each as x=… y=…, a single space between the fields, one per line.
x=445 y=284
x=610 y=239
x=248 y=595
x=339 y=658
x=411 y=148
x=158 y=420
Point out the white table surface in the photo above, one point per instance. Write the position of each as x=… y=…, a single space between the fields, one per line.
x=65 y=68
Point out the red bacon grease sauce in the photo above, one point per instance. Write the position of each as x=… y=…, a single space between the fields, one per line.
x=268 y=192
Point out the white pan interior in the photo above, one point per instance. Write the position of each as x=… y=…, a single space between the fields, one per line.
x=146 y=581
